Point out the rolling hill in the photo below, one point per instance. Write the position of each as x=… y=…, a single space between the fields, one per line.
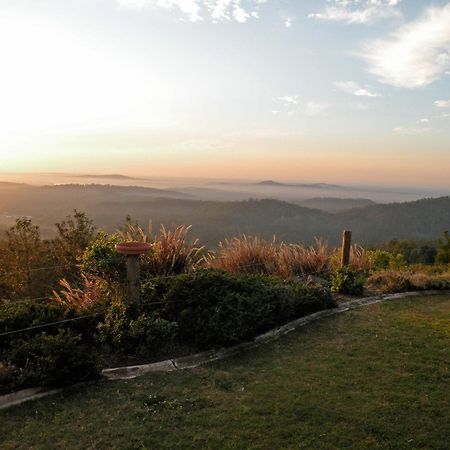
x=213 y=221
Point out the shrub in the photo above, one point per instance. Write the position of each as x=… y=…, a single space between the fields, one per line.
x=129 y=330
x=51 y=360
x=443 y=253
x=347 y=281
x=150 y=333
x=214 y=308
x=26 y=313
x=402 y=281
x=389 y=281
x=6 y=377
x=102 y=260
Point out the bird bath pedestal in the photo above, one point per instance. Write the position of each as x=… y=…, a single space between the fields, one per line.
x=133 y=250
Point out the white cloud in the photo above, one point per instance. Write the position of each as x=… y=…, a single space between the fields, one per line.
x=411 y=130
x=421 y=121
x=316 y=107
x=288 y=23
x=350 y=87
x=415 y=55
x=196 y=10
x=288 y=100
x=357 y=11
x=442 y=103
x=292 y=104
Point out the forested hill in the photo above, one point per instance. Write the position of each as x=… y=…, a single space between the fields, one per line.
x=213 y=221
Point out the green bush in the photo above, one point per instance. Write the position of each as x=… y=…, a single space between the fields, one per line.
x=102 y=260
x=131 y=331
x=150 y=333
x=51 y=360
x=382 y=259
x=347 y=281
x=214 y=309
x=16 y=315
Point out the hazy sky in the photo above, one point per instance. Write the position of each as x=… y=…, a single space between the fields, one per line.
x=348 y=91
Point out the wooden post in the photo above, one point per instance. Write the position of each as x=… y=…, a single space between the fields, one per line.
x=133 y=274
x=346 y=246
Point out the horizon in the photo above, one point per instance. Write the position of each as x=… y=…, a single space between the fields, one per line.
x=262 y=188
x=355 y=93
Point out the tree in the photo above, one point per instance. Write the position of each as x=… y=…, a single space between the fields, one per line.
x=24 y=255
x=443 y=254
x=74 y=235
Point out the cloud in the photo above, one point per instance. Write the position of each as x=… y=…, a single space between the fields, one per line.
x=415 y=55
x=288 y=100
x=292 y=104
x=196 y=10
x=442 y=103
x=288 y=23
x=316 y=107
x=350 y=87
x=420 y=121
x=357 y=11
x=411 y=130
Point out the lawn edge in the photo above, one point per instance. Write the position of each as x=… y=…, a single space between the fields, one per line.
x=198 y=359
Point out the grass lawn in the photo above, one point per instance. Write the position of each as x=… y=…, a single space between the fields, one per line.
x=376 y=377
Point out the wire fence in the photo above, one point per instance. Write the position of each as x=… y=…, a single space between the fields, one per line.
x=44 y=325
x=7 y=273
x=257 y=267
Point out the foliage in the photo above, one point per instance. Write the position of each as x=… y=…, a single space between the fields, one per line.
x=347 y=281
x=28 y=313
x=102 y=260
x=392 y=281
x=51 y=360
x=213 y=308
x=138 y=332
x=24 y=254
x=413 y=252
x=74 y=235
x=373 y=378
x=443 y=254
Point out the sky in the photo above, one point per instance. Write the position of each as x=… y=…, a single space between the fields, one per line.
x=338 y=91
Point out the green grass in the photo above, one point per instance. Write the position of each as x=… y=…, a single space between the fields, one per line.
x=376 y=377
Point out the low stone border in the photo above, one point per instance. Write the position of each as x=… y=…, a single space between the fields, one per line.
x=198 y=359
x=191 y=361
x=25 y=395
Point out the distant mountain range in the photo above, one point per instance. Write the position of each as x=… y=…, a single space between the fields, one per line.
x=113 y=176
x=333 y=204
x=300 y=185
x=213 y=221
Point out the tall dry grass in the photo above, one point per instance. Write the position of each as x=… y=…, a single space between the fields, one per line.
x=82 y=299
x=250 y=254
x=298 y=260
x=246 y=254
x=360 y=259
x=172 y=251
